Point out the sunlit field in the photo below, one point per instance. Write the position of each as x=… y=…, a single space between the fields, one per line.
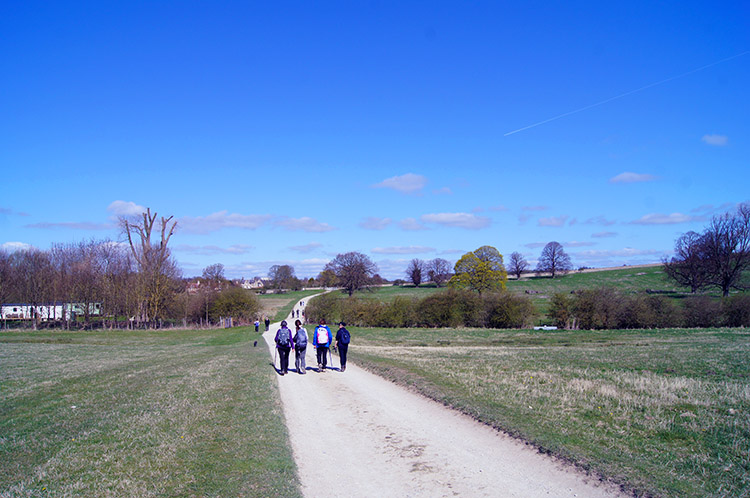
x=177 y=413
x=665 y=413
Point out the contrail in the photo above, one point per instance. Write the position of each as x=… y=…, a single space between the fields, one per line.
x=627 y=93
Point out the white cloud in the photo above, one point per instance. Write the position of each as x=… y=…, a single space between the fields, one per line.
x=403 y=250
x=602 y=235
x=222 y=219
x=16 y=246
x=630 y=177
x=411 y=225
x=665 y=219
x=553 y=221
x=599 y=220
x=576 y=243
x=307 y=247
x=441 y=191
x=374 y=223
x=125 y=208
x=407 y=184
x=305 y=224
x=212 y=250
x=717 y=140
x=458 y=220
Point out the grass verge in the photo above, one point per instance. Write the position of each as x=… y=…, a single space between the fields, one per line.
x=664 y=413
x=177 y=413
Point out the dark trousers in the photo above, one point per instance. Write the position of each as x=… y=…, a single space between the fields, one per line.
x=322 y=355
x=284 y=359
x=343 y=349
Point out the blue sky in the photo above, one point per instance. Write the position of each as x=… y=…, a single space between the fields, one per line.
x=289 y=132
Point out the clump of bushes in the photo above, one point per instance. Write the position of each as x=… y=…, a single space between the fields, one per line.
x=449 y=308
x=608 y=308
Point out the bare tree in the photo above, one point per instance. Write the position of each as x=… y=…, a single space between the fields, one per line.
x=117 y=278
x=156 y=269
x=282 y=277
x=726 y=243
x=5 y=277
x=554 y=260
x=33 y=276
x=517 y=264
x=439 y=271
x=214 y=275
x=415 y=271
x=353 y=270
x=688 y=266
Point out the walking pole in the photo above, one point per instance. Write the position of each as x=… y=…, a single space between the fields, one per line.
x=330 y=356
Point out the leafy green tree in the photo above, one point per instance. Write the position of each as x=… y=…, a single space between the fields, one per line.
x=481 y=270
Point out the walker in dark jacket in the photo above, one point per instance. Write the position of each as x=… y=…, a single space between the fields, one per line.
x=284 y=345
x=342 y=343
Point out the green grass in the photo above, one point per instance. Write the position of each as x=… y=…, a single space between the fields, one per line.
x=664 y=413
x=152 y=413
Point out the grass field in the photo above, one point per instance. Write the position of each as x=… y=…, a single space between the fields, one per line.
x=140 y=414
x=665 y=413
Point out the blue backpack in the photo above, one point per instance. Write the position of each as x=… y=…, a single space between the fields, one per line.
x=345 y=337
x=285 y=338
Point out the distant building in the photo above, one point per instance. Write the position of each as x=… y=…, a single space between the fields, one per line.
x=47 y=312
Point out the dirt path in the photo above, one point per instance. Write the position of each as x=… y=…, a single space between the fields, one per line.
x=355 y=434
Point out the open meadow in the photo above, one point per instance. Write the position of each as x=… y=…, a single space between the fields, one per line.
x=662 y=412
x=138 y=414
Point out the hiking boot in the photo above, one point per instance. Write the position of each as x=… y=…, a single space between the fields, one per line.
x=343 y=368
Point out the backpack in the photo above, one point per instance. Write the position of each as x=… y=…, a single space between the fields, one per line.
x=345 y=337
x=322 y=336
x=301 y=339
x=284 y=339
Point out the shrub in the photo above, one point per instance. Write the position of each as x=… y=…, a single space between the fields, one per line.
x=506 y=310
x=324 y=307
x=451 y=308
x=702 y=311
x=560 y=311
x=737 y=310
x=399 y=313
x=597 y=308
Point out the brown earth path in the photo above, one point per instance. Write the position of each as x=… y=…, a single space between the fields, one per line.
x=355 y=434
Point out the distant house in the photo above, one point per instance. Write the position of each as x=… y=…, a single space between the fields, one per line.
x=255 y=283
x=47 y=312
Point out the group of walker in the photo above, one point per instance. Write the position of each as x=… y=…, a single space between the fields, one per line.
x=322 y=342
